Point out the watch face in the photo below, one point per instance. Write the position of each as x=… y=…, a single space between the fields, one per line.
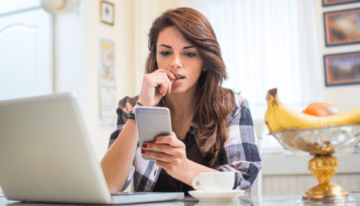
x=58 y=5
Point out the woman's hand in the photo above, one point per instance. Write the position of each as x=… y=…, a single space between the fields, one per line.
x=155 y=85
x=170 y=154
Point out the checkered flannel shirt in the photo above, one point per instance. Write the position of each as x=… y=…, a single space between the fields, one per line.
x=240 y=153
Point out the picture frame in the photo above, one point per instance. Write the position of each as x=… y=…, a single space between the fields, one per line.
x=342 y=69
x=326 y=3
x=342 y=27
x=107 y=12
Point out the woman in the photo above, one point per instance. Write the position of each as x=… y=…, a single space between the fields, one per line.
x=212 y=126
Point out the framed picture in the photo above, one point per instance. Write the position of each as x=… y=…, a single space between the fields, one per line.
x=342 y=27
x=107 y=11
x=337 y=2
x=342 y=69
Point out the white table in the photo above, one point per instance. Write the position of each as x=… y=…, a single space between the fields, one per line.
x=265 y=200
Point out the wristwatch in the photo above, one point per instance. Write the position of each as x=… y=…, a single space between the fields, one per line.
x=131 y=115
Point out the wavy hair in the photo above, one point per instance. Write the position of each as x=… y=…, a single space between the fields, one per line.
x=215 y=104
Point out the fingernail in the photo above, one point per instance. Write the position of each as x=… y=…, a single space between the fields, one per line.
x=154 y=140
x=142 y=151
x=144 y=145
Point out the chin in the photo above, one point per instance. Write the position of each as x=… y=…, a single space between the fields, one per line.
x=177 y=90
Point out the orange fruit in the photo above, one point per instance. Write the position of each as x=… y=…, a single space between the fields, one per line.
x=322 y=109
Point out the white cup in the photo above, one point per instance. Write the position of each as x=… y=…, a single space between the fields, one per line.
x=214 y=181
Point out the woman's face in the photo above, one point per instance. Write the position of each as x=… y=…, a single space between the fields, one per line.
x=176 y=54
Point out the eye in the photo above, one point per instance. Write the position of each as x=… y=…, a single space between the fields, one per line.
x=165 y=53
x=190 y=54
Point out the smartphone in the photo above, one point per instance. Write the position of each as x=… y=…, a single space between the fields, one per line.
x=152 y=122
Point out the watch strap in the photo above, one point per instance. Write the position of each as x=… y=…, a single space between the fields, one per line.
x=131 y=115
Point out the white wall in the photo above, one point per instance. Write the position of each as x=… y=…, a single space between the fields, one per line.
x=122 y=36
x=345 y=97
x=77 y=61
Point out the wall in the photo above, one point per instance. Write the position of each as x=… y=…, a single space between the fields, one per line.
x=122 y=36
x=77 y=61
x=345 y=97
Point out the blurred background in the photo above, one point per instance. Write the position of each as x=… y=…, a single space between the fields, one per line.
x=97 y=49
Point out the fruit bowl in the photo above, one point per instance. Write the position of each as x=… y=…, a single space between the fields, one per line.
x=322 y=142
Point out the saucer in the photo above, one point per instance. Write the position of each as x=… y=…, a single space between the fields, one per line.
x=234 y=202
x=202 y=195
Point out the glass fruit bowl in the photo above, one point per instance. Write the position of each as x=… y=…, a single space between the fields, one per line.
x=322 y=142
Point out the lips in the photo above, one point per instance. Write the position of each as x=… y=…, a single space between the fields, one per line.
x=178 y=76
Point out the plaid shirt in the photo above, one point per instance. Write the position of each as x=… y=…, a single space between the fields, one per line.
x=240 y=153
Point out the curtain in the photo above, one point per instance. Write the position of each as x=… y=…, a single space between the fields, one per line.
x=267 y=44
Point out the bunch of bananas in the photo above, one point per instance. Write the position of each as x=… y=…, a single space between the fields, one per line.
x=279 y=117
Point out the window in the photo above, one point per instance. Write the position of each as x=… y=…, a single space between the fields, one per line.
x=267 y=44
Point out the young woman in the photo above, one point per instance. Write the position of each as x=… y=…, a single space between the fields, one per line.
x=212 y=126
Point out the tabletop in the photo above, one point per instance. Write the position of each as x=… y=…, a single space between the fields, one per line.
x=264 y=200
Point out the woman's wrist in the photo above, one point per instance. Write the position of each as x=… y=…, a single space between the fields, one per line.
x=131 y=114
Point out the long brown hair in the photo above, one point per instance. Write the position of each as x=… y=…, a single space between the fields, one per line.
x=214 y=106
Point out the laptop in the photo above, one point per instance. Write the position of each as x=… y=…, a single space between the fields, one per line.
x=46 y=155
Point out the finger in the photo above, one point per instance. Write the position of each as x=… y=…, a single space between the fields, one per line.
x=164 y=148
x=171 y=77
x=157 y=147
x=157 y=155
x=162 y=88
x=162 y=83
x=167 y=71
x=171 y=140
x=152 y=80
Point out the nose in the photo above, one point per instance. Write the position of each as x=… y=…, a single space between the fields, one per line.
x=176 y=62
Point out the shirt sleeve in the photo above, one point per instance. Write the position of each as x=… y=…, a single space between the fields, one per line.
x=241 y=151
x=124 y=106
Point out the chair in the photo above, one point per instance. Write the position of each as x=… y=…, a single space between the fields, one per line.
x=259 y=125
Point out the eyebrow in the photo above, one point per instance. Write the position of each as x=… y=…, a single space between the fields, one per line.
x=167 y=46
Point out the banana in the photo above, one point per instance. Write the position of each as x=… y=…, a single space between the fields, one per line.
x=279 y=117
